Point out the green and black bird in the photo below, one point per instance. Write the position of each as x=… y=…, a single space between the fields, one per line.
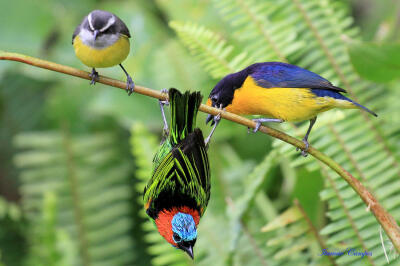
x=178 y=192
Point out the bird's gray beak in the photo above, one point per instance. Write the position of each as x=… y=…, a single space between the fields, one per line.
x=188 y=250
x=95 y=33
x=209 y=118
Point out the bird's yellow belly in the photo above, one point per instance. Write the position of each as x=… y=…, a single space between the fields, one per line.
x=288 y=104
x=106 y=57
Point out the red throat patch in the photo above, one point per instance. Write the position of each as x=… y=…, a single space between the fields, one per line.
x=164 y=219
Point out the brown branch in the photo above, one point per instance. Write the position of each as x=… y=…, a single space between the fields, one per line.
x=384 y=218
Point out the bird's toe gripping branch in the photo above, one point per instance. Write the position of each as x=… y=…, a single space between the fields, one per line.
x=304 y=152
x=130 y=85
x=305 y=139
x=259 y=122
x=215 y=121
x=94 y=76
x=162 y=103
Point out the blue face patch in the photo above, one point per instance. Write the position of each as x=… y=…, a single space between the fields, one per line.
x=183 y=227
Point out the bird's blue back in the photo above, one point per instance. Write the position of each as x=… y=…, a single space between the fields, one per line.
x=282 y=75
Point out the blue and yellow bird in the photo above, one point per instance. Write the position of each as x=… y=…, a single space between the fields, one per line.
x=280 y=92
x=102 y=40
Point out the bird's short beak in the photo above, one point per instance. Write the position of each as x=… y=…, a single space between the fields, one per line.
x=95 y=33
x=189 y=251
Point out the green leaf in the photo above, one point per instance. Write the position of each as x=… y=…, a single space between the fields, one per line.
x=376 y=62
x=89 y=177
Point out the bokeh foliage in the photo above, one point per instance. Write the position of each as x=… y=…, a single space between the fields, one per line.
x=74 y=158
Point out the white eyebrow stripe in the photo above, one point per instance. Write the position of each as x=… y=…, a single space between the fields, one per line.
x=109 y=23
x=90 y=21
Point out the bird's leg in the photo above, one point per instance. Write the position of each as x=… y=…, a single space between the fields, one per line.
x=130 y=85
x=305 y=139
x=162 y=103
x=216 y=120
x=259 y=121
x=94 y=75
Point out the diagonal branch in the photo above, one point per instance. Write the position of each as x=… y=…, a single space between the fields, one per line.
x=384 y=218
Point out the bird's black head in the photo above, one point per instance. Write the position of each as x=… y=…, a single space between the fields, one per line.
x=222 y=94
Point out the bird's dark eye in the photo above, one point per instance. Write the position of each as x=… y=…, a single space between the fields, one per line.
x=176 y=237
x=214 y=99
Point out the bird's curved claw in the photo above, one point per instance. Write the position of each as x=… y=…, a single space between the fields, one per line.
x=216 y=120
x=213 y=118
x=162 y=103
x=94 y=76
x=130 y=85
x=304 y=152
x=165 y=102
x=259 y=122
x=258 y=125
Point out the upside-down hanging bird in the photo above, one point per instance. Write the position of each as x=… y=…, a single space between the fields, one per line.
x=178 y=192
x=280 y=92
x=102 y=40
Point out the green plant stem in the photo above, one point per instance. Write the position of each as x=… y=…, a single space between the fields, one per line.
x=384 y=218
x=76 y=199
x=313 y=230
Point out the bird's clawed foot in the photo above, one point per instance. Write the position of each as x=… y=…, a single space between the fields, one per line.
x=165 y=102
x=94 y=76
x=162 y=103
x=130 y=85
x=216 y=120
x=304 y=152
x=259 y=122
x=305 y=139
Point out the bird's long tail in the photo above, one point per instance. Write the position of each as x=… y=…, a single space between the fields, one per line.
x=338 y=96
x=364 y=108
x=184 y=108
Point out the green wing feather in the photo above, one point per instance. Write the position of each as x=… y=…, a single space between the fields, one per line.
x=184 y=173
x=184 y=108
x=181 y=174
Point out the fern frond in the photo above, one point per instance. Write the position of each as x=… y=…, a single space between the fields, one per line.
x=356 y=142
x=353 y=139
x=90 y=180
x=50 y=245
x=296 y=238
x=265 y=41
x=241 y=206
x=211 y=50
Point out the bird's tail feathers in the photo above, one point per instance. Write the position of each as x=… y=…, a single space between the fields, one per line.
x=364 y=108
x=184 y=108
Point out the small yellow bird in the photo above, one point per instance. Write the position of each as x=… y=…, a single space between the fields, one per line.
x=102 y=40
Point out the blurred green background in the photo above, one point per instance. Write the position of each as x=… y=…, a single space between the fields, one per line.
x=74 y=158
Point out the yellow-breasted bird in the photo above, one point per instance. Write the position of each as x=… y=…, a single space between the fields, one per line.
x=281 y=92
x=178 y=192
x=102 y=40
